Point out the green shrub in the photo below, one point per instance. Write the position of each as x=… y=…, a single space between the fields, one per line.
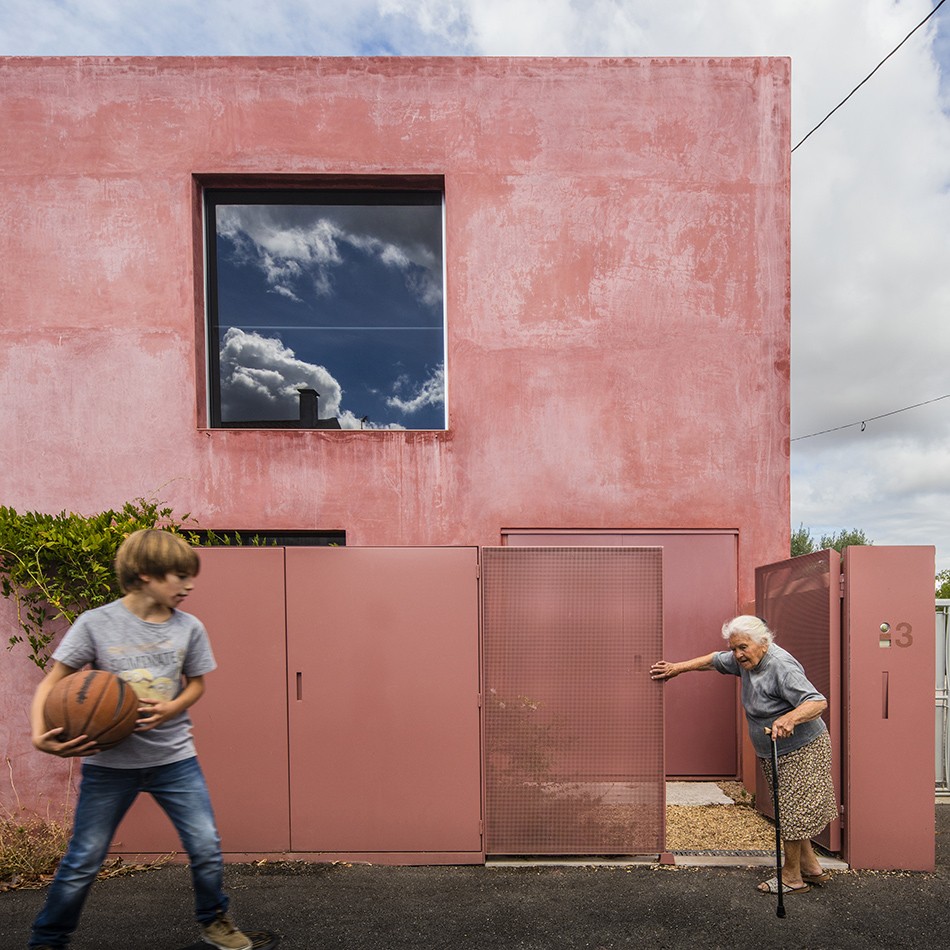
x=54 y=567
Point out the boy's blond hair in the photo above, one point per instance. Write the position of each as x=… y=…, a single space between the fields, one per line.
x=153 y=552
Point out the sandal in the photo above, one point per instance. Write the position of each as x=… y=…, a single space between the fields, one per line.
x=771 y=887
x=817 y=879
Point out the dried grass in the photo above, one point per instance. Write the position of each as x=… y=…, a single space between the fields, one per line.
x=736 y=827
x=32 y=845
x=30 y=849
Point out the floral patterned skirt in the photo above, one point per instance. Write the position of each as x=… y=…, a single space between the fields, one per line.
x=806 y=793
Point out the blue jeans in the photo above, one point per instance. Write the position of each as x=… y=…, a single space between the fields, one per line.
x=105 y=795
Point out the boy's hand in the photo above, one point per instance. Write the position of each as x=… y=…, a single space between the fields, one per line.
x=153 y=712
x=49 y=743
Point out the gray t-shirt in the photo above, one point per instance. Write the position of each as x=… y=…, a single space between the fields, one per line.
x=151 y=658
x=776 y=686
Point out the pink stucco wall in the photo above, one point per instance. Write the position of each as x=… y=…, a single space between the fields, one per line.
x=30 y=781
x=617 y=292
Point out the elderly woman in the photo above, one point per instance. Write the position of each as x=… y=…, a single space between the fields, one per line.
x=778 y=697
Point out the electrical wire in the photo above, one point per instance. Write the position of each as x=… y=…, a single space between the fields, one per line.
x=870 y=74
x=863 y=423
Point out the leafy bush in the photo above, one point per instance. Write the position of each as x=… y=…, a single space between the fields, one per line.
x=54 y=567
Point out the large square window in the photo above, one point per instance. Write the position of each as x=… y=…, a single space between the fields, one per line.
x=325 y=309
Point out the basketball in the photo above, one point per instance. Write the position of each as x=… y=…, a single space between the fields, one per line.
x=93 y=703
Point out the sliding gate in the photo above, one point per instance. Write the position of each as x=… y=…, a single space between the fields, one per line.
x=573 y=723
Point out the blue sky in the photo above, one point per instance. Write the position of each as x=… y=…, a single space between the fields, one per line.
x=343 y=297
x=870 y=189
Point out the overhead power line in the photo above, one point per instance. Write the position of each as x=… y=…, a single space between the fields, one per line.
x=863 y=423
x=869 y=75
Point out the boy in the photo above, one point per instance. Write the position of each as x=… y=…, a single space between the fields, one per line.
x=164 y=654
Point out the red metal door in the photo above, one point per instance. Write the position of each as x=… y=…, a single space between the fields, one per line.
x=241 y=721
x=699 y=595
x=573 y=724
x=800 y=600
x=383 y=697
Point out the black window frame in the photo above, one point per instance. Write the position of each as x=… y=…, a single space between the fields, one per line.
x=427 y=190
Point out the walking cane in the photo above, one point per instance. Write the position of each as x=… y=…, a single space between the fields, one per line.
x=780 y=910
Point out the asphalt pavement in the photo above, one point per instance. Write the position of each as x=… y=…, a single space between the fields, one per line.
x=360 y=907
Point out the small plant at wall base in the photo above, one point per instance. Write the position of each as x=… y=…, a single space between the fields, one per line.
x=31 y=846
x=53 y=567
x=30 y=849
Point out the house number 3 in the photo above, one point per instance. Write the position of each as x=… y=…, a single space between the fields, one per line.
x=904 y=635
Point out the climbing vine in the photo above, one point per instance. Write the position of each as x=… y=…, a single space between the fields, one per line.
x=53 y=567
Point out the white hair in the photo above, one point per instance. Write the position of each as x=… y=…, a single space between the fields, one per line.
x=746 y=625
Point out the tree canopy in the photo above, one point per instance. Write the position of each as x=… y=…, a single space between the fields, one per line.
x=804 y=543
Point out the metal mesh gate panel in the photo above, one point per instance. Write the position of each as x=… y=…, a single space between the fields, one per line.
x=800 y=600
x=573 y=723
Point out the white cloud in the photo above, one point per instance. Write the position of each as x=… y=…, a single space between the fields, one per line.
x=285 y=254
x=903 y=480
x=260 y=379
x=410 y=398
x=289 y=246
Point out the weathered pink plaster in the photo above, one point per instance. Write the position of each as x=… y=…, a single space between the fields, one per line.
x=617 y=292
x=31 y=782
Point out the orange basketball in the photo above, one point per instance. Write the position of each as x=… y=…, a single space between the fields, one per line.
x=93 y=703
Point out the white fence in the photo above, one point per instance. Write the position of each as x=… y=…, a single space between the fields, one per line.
x=942 y=750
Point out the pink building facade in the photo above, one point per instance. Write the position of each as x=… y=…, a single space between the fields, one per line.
x=615 y=288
